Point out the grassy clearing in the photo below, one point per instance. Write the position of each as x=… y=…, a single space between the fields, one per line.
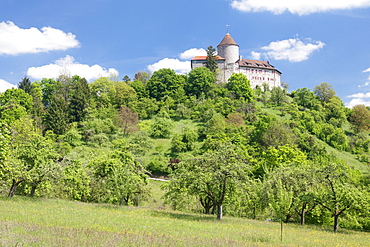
x=42 y=222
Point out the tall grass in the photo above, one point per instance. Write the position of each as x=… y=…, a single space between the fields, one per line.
x=46 y=222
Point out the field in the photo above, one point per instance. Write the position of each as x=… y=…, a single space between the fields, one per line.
x=48 y=222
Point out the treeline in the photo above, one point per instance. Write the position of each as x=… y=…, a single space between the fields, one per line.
x=227 y=148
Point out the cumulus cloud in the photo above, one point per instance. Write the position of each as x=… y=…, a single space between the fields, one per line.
x=293 y=50
x=4 y=85
x=189 y=54
x=299 y=7
x=68 y=64
x=15 y=40
x=180 y=67
x=256 y=55
x=359 y=99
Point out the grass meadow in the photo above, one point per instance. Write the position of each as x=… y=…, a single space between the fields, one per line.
x=50 y=222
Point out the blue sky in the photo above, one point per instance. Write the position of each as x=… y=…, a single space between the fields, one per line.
x=309 y=41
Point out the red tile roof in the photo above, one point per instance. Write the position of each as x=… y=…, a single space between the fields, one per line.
x=227 y=40
x=256 y=64
x=205 y=58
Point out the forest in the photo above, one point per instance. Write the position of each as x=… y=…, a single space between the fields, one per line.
x=226 y=149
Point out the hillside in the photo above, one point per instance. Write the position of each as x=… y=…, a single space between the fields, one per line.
x=48 y=222
x=230 y=150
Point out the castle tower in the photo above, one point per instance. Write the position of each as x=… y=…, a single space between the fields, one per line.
x=228 y=49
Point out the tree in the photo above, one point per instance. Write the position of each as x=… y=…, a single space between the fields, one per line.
x=34 y=157
x=127 y=120
x=126 y=79
x=281 y=202
x=277 y=134
x=339 y=191
x=324 y=91
x=79 y=100
x=299 y=180
x=5 y=141
x=165 y=82
x=142 y=76
x=56 y=117
x=185 y=141
x=278 y=96
x=240 y=87
x=103 y=92
x=118 y=178
x=25 y=85
x=199 y=82
x=360 y=118
x=212 y=177
x=76 y=180
x=304 y=97
x=211 y=62
x=14 y=104
x=161 y=127
x=139 y=88
x=124 y=95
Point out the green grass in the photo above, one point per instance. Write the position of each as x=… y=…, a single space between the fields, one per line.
x=47 y=222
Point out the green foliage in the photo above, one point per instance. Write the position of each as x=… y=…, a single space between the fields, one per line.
x=139 y=88
x=124 y=95
x=212 y=177
x=240 y=87
x=211 y=62
x=76 y=180
x=118 y=178
x=360 y=118
x=161 y=127
x=278 y=96
x=14 y=104
x=282 y=156
x=324 y=91
x=306 y=98
x=56 y=117
x=102 y=91
x=79 y=100
x=200 y=81
x=165 y=82
x=185 y=141
x=140 y=142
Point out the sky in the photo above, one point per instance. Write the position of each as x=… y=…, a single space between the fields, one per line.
x=309 y=41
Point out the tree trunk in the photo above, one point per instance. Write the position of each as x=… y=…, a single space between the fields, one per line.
x=303 y=213
x=219 y=212
x=14 y=186
x=281 y=230
x=33 y=189
x=123 y=200
x=336 y=220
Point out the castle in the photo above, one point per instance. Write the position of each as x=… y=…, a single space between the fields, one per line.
x=229 y=61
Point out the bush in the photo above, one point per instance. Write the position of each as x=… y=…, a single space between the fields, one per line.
x=161 y=127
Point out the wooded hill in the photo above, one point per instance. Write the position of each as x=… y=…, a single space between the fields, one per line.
x=260 y=153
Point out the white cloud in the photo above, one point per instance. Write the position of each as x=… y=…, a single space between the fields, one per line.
x=180 y=67
x=68 y=64
x=359 y=99
x=293 y=50
x=15 y=40
x=359 y=95
x=256 y=55
x=4 y=85
x=189 y=54
x=365 y=84
x=299 y=7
